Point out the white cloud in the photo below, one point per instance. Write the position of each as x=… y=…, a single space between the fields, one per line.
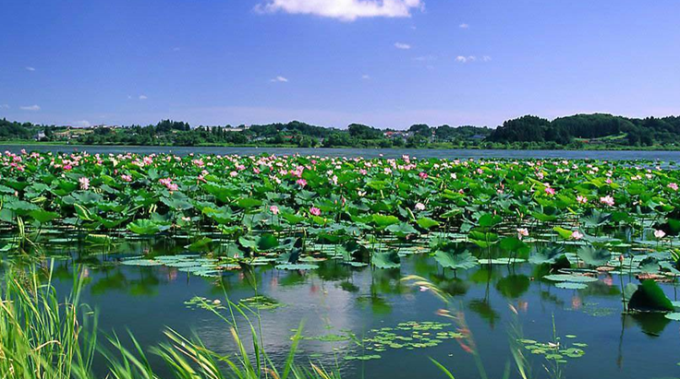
x=32 y=108
x=82 y=123
x=4 y=106
x=29 y=68
x=471 y=58
x=279 y=79
x=365 y=77
x=143 y=97
x=402 y=46
x=463 y=26
x=346 y=10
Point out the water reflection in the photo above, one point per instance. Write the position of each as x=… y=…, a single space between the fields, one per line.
x=336 y=298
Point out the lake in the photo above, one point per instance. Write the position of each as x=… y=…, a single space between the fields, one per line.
x=666 y=156
x=336 y=299
x=385 y=264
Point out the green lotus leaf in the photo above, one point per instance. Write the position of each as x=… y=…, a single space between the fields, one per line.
x=462 y=260
x=570 y=278
x=384 y=221
x=427 y=223
x=144 y=227
x=386 y=260
x=43 y=216
x=592 y=256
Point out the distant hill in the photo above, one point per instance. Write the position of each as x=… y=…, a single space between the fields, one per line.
x=590 y=128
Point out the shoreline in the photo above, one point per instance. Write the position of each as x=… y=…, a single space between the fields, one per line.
x=29 y=144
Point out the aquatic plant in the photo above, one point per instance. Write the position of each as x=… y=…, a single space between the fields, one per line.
x=43 y=336
x=555 y=351
x=573 y=218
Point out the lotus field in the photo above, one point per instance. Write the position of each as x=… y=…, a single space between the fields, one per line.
x=579 y=218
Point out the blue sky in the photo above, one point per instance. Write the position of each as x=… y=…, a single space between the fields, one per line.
x=334 y=62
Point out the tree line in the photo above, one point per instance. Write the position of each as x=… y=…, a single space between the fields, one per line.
x=590 y=129
x=526 y=132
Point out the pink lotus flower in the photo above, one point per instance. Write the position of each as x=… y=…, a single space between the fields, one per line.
x=301 y=182
x=550 y=191
x=315 y=211
x=659 y=234
x=576 y=235
x=126 y=178
x=522 y=232
x=167 y=182
x=581 y=199
x=274 y=209
x=607 y=200
x=420 y=207
x=423 y=175
x=84 y=183
x=673 y=186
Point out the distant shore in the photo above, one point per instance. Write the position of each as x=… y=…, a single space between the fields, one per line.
x=432 y=146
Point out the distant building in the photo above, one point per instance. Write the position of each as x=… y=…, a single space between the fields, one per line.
x=40 y=136
x=227 y=129
x=398 y=134
x=66 y=134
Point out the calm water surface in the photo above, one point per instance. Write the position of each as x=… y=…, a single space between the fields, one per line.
x=336 y=298
x=667 y=156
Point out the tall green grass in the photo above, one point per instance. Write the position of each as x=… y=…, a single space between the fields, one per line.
x=42 y=337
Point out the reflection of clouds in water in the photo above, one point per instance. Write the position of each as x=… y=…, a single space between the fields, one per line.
x=324 y=307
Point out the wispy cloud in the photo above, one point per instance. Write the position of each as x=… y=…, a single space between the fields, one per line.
x=345 y=10
x=402 y=46
x=365 y=77
x=29 y=68
x=143 y=97
x=471 y=58
x=279 y=79
x=4 y=106
x=464 y=26
x=32 y=108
